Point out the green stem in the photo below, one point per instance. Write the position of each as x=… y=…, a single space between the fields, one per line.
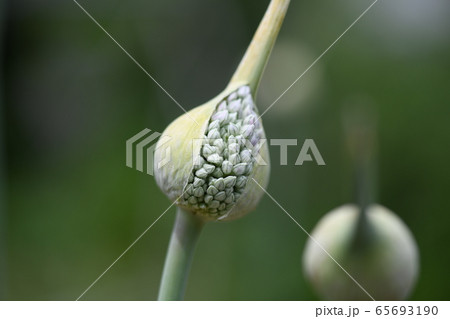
x=363 y=192
x=254 y=61
x=360 y=127
x=182 y=243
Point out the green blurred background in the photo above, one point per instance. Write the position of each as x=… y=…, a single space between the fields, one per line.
x=70 y=98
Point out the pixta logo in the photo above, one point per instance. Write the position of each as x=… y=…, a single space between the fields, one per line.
x=140 y=149
x=309 y=148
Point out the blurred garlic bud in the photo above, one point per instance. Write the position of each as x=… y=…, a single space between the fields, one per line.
x=383 y=259
x=216 y=149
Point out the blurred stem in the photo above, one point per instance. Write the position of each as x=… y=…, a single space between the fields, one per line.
x=360 y=128
x=363 y=189
x=254 y=61
x=182 y=244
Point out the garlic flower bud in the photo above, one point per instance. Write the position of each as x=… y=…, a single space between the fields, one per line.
x=214 y=158
x=384 y=260
x=213 y=178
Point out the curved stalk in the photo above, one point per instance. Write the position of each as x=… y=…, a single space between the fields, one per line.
x=254 y=61
x=182 y=244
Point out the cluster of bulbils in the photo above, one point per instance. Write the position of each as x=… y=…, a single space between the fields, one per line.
x=221 y=170
x=217 y=150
